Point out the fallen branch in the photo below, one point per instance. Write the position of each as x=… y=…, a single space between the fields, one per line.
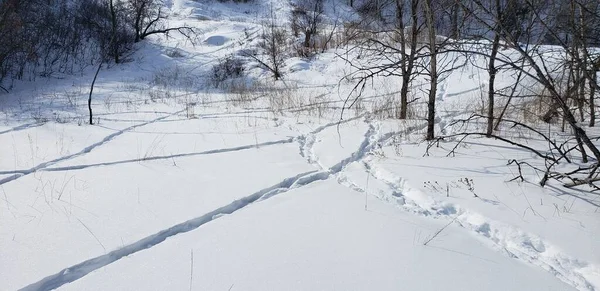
x=582 y=182
x=515 y=123
x=466 y=134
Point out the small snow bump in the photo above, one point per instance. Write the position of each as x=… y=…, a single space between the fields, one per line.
x=484 y=229
x=298 y=65
x=216 y=40
x=535 y=244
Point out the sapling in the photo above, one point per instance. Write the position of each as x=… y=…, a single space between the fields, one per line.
x=470 y=185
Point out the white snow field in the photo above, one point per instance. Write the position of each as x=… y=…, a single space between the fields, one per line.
x=180 y=186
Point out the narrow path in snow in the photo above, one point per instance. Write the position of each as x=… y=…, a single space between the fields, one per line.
x=507 y=239
x=168 y=157
x=20 y=173
x=77 y=271
x=22 y=127
x=302 y=139
x=307 y=141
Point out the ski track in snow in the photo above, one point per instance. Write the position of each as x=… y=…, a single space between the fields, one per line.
x=505 y=238
x=307 y=141
x=22 y=127
x=166 y=157
x=44 y=165
x=77 y=271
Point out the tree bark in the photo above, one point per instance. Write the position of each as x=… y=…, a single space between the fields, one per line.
x=492 y=70
x=591 y=101
x=454 y=34
x=512 y=94
x=91 y=91
x=408 y=58
x=114 y=43
x=404 y=60
x=432 y=71
x=587 y=63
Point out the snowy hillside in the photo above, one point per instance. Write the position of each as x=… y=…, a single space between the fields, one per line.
x=256 y=184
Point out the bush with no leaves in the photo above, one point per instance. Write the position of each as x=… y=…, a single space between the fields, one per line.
x=227 y=68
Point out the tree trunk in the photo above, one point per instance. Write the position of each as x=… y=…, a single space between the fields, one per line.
x=454 y=34
x=412 y=55
x=592 y=105
x=403 y=61
x=580 y=92
x=404 y=96
x=492 y=79
x=577 y=65
x=92 y=90
x=590 y=76
x=114 y=43
x=512 y=94
x=408 y=49
x=432 y=71
x=139 y=15
x=584 y=156
x=307 y=37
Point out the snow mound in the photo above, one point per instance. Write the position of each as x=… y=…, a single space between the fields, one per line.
x=297 y=64
x=216 y=40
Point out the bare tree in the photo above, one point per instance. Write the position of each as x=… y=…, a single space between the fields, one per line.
x=537 y=23
x=440 y=62
x=114 y=21
x=307 y=16
x=432 y=70
x=89 y=103
x=394 y=51
x=42 y=37
x=408 y=47
x=492 y=70
x=10 y=30
x=272 y=47
x=147 y=18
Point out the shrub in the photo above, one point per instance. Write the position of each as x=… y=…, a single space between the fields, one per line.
x=227 y=68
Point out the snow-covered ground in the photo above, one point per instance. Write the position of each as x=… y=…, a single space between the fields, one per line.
x=179 y=186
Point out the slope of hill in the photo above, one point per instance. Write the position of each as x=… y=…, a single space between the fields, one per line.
x=257 y=184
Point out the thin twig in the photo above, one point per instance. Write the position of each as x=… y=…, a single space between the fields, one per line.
x=439 y=231
x=90 y=231
x=191 y=268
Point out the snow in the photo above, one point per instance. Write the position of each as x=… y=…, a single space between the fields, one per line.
x=181 y=186
x=216 y=40
x=271 y=245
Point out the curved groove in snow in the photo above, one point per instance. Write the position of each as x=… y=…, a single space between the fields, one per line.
x=44 y=165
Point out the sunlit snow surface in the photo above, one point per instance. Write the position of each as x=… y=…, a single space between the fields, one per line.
x=173 y=190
